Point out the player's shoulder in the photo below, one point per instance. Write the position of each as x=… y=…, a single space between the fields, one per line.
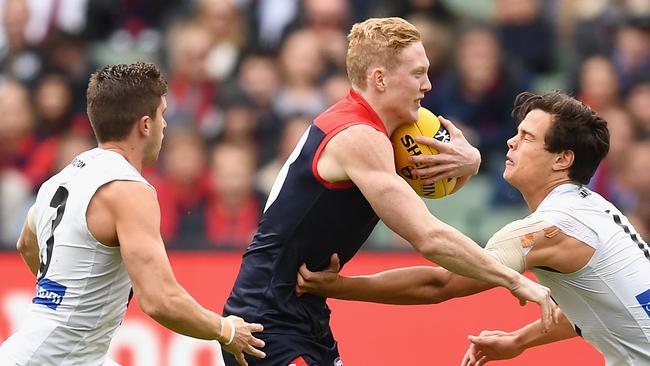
x=125 y=190
x=360 y=138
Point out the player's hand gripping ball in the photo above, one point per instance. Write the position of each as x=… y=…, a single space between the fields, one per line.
x=404 y=145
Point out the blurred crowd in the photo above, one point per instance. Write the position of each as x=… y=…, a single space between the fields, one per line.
x=246 y=77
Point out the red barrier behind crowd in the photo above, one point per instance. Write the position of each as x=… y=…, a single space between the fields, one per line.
x=369 y=334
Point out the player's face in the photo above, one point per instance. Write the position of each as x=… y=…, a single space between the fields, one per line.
x=527 y=162
x=406 y=84
x=157 y=134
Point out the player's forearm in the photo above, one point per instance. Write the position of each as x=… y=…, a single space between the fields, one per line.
x=459 y=254
x=533 y=334
x=402 y=286
x=179 y=312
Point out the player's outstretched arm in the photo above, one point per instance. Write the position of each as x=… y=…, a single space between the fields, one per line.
x=27 y=244
x=400 y=286
x=366 y=156
x=499 y=345
x=135 y=210
x=456 y=158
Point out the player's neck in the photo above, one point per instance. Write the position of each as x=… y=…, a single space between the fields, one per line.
x=130 y=153
x=375 y=103
x=535 y=196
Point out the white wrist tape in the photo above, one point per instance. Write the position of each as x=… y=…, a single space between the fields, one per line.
x=511 y=244
x=227 y=324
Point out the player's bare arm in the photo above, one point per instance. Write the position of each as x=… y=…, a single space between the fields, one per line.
x=27 y=244
x=366 y=157
x=499 y=345
x=551 y=248
x=400 y=286
x=131 y=209
x=456 y=158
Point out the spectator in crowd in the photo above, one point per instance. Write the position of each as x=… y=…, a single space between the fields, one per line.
x=18 y=58
x=16 y=143
x=301 y=66
x=259 y=78
x=520 y=24
x=192 y=92
x=16 y=126
x=183 y=189
x=239 y=117
x=54 y=114
x=598 y=85
x=638 y=177
x=67 y=54
x=234 y=208
x=222 y=21
x=335 y=87
x=638 y=103
x=437 y=10
x=631 y=55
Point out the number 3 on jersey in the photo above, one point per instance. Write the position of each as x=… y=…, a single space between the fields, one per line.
x=58 y=202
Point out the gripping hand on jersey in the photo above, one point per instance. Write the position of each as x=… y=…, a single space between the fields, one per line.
x=318 y=283
x=237 y=338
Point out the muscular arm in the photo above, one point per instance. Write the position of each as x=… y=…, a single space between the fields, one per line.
x=27 y=244
x=134 y=209
x=401 y=286
x=366 y=157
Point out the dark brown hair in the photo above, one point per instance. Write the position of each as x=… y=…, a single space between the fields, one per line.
x=119 y=95
x=575 y=127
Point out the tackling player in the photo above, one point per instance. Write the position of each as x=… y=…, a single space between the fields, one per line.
x=576 y=243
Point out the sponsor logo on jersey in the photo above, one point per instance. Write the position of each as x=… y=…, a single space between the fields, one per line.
x=49 y=293
x=338 y=362
x=644 y=301
x=78 y=163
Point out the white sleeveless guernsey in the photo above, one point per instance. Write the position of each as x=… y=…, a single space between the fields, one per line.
x=608 y=300
x=83 y=288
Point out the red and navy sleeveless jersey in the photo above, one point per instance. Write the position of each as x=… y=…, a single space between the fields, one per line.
x=306 y=220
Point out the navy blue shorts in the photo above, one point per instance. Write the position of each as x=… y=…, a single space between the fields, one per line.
x=285 y=350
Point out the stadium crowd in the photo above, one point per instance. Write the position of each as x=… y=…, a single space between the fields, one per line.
x=247 y=76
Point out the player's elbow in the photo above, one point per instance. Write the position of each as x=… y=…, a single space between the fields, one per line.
x=432 y=243
x=152 y=303
x=154 y=308
x=26 y=250
x=21 y=246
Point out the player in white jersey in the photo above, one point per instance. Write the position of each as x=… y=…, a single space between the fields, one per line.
x=577 y=243
x=94 y=232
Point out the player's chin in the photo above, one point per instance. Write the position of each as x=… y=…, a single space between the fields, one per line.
x=413 y=113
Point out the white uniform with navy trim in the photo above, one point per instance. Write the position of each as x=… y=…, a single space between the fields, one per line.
x=83 y=287
x=608 y=300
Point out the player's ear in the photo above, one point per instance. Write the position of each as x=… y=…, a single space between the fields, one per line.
x=564 y=160
x=144 y=125
x=377 y=76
